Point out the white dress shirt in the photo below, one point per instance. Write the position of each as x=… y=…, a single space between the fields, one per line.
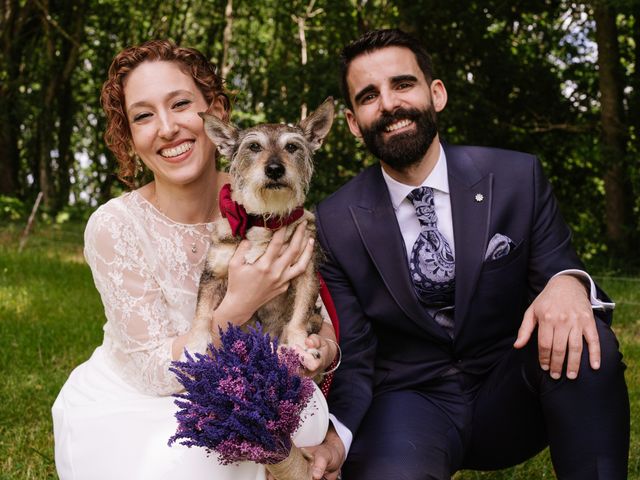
x=406 y=212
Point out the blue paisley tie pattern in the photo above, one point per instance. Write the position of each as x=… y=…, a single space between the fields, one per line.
x=431 y=264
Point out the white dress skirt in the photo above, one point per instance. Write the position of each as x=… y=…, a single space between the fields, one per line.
x=105 y=429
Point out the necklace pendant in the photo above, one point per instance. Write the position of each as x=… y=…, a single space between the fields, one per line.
x=193 y=247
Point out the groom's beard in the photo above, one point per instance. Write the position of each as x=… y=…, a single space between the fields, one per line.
x=402 y=150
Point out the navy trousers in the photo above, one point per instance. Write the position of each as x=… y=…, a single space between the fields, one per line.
x=499 y=420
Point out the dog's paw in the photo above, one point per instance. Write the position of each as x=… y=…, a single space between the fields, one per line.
x=257 y=248
x=310 y=359
x=314 y=353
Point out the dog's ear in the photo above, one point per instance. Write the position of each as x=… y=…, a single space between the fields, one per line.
x=223 y=134
x=317 y=125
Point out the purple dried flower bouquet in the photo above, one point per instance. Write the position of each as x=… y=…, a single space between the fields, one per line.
x=243 y=401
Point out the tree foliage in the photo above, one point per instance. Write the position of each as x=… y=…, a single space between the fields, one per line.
x=530 y=75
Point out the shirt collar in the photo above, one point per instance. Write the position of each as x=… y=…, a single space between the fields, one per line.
x=437 y=179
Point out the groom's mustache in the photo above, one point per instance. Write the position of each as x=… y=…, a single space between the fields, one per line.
x=387 y=118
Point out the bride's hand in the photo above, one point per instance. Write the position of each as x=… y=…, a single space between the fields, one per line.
x=252 y=285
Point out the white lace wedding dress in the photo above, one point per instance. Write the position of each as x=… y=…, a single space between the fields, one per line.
x=115 y=414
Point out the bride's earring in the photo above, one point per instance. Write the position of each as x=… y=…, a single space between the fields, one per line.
x=139 y=166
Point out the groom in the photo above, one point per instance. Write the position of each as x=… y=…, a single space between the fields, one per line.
x=462 y=347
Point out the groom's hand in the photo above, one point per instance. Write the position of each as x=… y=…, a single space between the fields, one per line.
x=328 y=457
x=564 y=317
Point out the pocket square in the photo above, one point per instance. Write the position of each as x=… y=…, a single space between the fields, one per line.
x=499 y=246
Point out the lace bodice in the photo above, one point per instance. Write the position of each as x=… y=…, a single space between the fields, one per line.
x=146 y=268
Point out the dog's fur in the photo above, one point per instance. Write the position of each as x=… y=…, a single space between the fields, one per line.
x=270 y=168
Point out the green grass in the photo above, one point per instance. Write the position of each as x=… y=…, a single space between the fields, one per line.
x=51 y=320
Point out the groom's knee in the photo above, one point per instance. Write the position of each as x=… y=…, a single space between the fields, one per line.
x=409 y=464
x=406 y=436
x=607 y=379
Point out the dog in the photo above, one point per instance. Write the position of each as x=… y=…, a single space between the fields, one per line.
x=270 y=168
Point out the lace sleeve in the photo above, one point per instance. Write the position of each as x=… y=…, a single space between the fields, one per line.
x=140 y=326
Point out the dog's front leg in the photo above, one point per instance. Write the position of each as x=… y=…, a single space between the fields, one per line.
x=213 y=281
x=304 y=320
x=259 y=239
x=304 y=290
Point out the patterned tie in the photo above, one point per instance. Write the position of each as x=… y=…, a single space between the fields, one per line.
x=431 y=264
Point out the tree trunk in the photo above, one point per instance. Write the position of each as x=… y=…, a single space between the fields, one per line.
x=65 y=154
x=614 y=130
x=9 y=125
x=62 y=46
x=227 y=36
x=301 y=22
x=12 y=42
x=9 y=154
x=303 y=62
x=634 y=103
x=65 y=102
x=361 y=17
x=44 y=123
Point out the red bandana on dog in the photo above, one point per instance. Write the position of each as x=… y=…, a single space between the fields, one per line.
x=240 y=221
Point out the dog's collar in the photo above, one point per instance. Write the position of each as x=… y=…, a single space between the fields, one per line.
x=240 y=221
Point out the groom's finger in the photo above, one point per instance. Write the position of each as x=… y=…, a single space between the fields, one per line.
x=320 y=462
x=526 y=328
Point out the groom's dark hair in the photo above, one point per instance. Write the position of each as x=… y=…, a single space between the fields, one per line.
x=375 y=40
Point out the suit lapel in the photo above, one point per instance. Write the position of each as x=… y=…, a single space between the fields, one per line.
x=471 y=200
x=373 y=214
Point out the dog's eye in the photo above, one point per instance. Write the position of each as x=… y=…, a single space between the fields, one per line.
x=290 y=147
x=255 y=147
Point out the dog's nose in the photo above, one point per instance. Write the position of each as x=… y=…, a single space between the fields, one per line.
x=274 y=170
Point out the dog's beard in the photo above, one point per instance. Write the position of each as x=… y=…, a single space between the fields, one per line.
x=281 y=201
x=402 y=150
x=260 y=198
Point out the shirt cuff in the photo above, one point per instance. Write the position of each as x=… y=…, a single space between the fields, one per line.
x=596 y=303
x=343 y=432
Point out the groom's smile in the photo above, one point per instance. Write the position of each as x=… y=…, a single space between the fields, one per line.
x=398 y=125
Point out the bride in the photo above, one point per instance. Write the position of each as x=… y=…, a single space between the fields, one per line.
x=146 y=249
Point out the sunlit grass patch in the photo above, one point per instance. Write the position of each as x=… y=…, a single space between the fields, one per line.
x=15 y=298
x=50 y=320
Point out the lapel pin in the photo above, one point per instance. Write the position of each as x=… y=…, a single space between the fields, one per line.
x=479 y=197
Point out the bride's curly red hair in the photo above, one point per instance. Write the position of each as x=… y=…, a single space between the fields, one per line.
x=118 y=134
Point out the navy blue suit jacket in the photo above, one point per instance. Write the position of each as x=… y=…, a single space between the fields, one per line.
x=389 y=341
